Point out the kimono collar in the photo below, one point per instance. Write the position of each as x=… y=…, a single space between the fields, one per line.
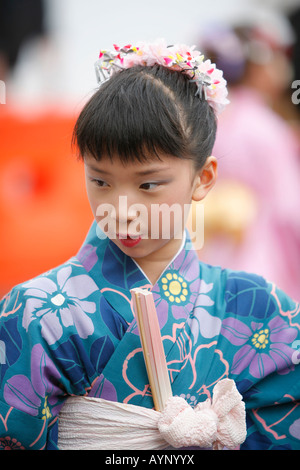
x=109 y=266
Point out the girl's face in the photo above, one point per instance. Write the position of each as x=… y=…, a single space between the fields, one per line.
x=143 y=207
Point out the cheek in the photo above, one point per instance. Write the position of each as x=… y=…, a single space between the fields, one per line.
x=93 y=198
x=168 y=218
x=93 y=203
x=180 y=195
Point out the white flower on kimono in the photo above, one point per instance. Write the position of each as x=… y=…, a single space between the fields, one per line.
x=190 y=399
x=201 y=320
x=61 y=303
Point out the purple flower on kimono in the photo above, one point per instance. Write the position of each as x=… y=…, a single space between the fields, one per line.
x=60 y=304
x=35 y=394
x=294 y=429
x=264 y=347
x=103 y=388
x=88 y=256
x=178 y=287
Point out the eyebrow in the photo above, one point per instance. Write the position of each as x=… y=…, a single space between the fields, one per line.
x=138 y=173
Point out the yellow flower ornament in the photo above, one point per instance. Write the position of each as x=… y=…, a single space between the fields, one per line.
x=175 y=288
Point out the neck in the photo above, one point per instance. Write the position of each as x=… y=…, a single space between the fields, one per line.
x=154 y=265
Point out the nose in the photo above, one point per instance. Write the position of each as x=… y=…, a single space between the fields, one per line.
x=125 y=212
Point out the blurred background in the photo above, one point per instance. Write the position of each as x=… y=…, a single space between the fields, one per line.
x=47 y=54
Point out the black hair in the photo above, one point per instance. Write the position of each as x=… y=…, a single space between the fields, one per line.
x=143 y=111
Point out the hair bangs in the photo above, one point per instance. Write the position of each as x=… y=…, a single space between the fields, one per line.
x=130 y=116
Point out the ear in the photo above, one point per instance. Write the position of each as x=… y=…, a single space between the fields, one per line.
x=205 y=179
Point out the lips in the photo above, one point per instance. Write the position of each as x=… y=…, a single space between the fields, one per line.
x=129 y=240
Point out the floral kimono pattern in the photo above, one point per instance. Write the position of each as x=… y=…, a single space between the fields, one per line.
x=71 y=331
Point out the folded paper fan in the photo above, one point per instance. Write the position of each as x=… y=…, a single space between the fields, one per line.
x=153 y=350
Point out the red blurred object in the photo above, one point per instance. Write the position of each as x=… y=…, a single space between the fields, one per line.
x=44 y=210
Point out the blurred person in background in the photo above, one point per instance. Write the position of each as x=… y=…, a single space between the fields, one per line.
x=249 y=225
x=20 y=20
x=294 y=19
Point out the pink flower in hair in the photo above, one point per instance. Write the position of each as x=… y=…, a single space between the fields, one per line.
x=217 y=91
x=208 y=78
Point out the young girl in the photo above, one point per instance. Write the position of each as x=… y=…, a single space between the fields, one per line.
x=146 y=138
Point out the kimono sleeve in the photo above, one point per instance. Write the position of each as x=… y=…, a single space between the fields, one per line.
x=272 y=357
x=273 y=413
x=30 y=388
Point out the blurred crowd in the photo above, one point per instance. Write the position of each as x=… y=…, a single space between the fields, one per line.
x=251 y=217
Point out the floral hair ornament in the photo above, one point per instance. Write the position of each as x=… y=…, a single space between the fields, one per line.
x=209 y=80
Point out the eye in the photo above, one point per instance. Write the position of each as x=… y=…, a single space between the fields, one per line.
x=149 y=186
x=99 y=183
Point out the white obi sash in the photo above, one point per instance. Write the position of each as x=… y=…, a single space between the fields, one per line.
x=87 y=423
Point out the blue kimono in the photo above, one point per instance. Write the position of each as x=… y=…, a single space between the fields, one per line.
x=71 y=331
